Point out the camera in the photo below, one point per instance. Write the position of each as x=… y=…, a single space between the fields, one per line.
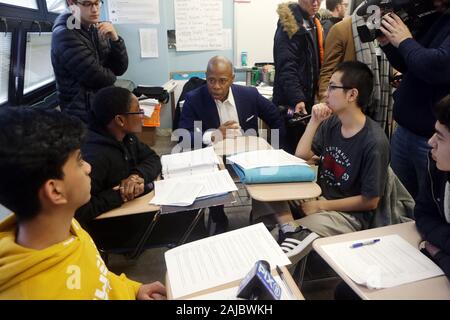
x=293 y=118
x=414 y=13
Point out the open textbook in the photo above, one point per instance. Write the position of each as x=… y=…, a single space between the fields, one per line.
x=189 y=163
x=221 y=259
x=386 y=262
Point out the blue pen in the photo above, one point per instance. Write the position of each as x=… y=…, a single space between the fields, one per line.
x=365 y=243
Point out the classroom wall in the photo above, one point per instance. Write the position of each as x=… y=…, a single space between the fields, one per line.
x=155 y=71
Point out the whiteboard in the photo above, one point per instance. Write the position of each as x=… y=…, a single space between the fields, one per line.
x=255 y=22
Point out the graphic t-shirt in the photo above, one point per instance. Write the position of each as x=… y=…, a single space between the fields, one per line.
x=351 y=166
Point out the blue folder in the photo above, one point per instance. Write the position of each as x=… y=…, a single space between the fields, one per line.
x=292 y=173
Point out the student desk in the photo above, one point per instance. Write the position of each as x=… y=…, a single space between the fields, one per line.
x=267 y=192
x=289 y=281
x=141 y=205
x=433 y=288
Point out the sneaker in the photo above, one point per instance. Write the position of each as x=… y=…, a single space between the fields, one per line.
x=294 y=243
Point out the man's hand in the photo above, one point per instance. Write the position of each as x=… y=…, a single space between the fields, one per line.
x=320 y=112
x=152 y=291
x=131 y=187
x=311 y=207
x=106 y=31
x=300 y=108
x=394 y=29
x=432 y=250
x=226 y=130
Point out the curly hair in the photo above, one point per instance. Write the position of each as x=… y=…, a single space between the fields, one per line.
x=442 y=111
x=34 y=146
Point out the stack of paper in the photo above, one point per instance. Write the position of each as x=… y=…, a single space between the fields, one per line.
x=390 y=262
x=183 y=191
x=148 y=105
x=220 y=259
x=199 y=161
x=265 y=158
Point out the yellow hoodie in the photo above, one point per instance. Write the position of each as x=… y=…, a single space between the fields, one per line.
x=72 y=269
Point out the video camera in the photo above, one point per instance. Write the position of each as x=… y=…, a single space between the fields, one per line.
x=293 y=118
x=412 y=12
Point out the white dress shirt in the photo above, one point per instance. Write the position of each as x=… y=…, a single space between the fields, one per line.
x=227 y=112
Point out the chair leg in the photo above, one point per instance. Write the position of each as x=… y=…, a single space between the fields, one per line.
x=299 y=272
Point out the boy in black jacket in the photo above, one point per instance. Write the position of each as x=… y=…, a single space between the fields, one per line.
x=432 y=211
x=122 y=167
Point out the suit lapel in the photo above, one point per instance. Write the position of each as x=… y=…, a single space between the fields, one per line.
x=211 y=115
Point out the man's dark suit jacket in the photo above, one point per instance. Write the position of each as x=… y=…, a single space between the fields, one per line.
x=250 y=104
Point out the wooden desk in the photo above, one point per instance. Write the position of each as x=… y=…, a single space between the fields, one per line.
x=434 y=288
x=290 y=282
x=267 y=192
x=235 y=145
x=136 y=206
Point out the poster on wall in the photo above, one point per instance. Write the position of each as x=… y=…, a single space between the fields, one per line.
x=134 y=11
x=199 y=25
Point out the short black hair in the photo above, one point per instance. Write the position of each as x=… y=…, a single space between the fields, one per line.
x=357 y=75
x=35 y=145
x=442 y=111
x=108 y=103
x=332 y=4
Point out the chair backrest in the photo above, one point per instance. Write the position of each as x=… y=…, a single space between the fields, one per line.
x=191 y=84
x=396 y=206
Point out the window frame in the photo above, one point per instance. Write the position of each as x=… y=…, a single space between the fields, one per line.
x=21 y=20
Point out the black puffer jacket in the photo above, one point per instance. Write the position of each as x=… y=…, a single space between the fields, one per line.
x=296 y=69
x=111 y=162
x=83 y=64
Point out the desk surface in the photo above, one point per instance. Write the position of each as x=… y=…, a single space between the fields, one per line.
x=136 y=206
x=232 y=146
x=283 y=191
x=434 y=288
x=289 y=280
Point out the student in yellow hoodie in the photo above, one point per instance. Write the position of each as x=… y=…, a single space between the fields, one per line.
x=44 y=253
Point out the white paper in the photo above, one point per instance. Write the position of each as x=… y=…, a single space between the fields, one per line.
x=215 y=183
x=149 y=43
x=227 y=39
x=388 y=263
x=134 y=11
x=199 y=25
x=230 y=293
x=220 y=259
x=189 y=163
x=182 y=194
x=265 y=158
x=148 y=105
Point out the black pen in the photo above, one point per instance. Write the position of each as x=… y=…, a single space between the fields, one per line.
x=281 y=274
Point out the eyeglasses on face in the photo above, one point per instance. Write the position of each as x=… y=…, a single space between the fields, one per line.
x=332 y=87
x=89 y=4
x=140 y=112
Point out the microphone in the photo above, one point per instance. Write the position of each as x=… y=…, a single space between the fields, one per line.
x=362 y=9
x=259 y=284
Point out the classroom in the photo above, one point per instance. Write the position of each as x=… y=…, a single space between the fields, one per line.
x=224 y=150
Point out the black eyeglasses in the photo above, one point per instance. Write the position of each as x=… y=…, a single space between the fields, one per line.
x=332 y=87
x=89 y=4
x=141 y=112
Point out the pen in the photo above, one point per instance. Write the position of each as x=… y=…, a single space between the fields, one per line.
x=280 y=272
x=365 y=243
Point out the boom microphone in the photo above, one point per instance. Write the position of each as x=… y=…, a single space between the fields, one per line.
x=259 y=284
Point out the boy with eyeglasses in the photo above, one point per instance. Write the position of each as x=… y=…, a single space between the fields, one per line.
x=86 y=54
x=354 y=157
x=44 y=253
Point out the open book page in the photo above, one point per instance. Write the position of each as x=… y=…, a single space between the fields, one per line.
x=189 y=163
x=390 y=262
x=230 y=293
x=170 y=191
x=220 y=259
x=265 y=158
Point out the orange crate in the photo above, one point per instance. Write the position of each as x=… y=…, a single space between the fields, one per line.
x=154 y=120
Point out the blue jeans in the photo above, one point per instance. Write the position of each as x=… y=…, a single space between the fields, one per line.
x=409 y=159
